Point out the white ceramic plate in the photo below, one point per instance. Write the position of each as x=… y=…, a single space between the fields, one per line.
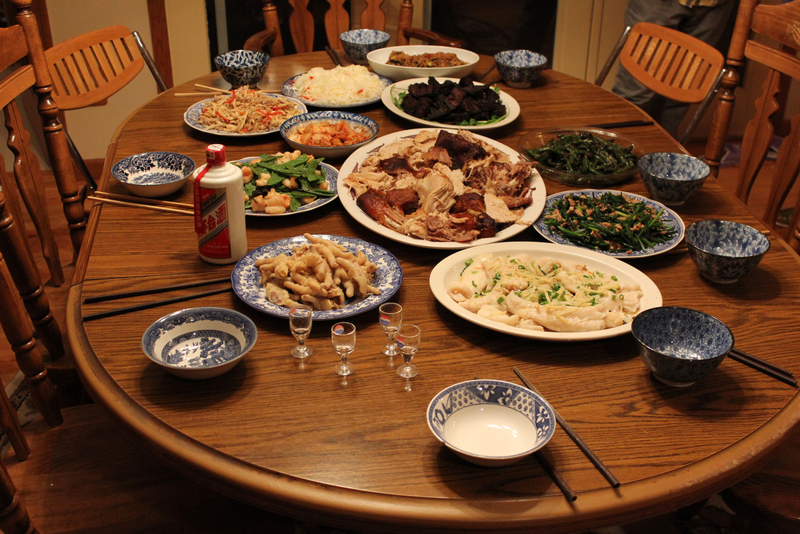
x=289 y=90
x=449 y=270
x=192 y=118
x=246 y=276
x=331 y=175
x=669 y=217
x=377 y=61
x=396 y=89
x=532 y=212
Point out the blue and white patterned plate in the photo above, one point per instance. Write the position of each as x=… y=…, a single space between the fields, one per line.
x=192 y=118
x=669 y=218
x=246 y=277
x=289 y=90
x=331 y=175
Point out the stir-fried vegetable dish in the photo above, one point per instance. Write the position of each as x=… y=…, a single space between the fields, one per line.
x=584 y=153
x=609 y=221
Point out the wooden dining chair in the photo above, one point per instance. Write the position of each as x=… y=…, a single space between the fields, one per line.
x=337 y=20
x=780 y=25
x=89 y=68
x=670 y=63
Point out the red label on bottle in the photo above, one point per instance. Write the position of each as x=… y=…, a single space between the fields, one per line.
x=213 y=233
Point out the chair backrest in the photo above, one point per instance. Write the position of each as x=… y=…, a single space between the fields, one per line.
x=337 y=20
x=18 y=42
x=779 y=24
x=670 y=63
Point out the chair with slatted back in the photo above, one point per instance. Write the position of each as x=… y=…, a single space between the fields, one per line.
x=671 y=63
x=90 y=68
x=780 y=24
x=337 y=20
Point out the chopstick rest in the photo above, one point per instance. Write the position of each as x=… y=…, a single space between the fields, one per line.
x=605 y=471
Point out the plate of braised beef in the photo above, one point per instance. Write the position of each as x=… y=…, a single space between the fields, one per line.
x=441 y=188
x=451 y=103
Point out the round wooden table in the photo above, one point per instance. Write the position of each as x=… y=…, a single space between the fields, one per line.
x=294 y=438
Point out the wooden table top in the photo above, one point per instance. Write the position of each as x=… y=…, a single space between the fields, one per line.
x=293 y=437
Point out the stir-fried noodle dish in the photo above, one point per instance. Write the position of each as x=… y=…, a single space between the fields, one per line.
x=247 y=111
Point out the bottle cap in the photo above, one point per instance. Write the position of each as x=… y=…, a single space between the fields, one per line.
x=215 y=155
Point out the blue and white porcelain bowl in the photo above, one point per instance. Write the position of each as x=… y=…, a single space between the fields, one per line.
x=672 y=178
x=153 y=174
x=519 y=68
x=491 y=422
x=724 y=251
x=352 y=119
x=680 y=345
x=199 y=343
x=242 y=68
x=358 y=43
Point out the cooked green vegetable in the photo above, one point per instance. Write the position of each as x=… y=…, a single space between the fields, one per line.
x=303 y=169
x=612 y=222
x=584 y=153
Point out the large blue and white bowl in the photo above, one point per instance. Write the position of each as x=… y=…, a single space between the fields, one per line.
x=672 y=178
x=242 y=68
x=353 y=119
x=199 y=343
x=491 y=422
x=680 y=345
x=358 y=43
x=724 y=251
x=519 y=68
x=153 y=174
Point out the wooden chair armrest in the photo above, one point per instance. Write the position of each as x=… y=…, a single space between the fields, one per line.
x=259 y=41
x=431 y=37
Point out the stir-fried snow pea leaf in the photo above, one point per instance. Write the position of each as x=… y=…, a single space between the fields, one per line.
x=608 y=222
x=584 y=153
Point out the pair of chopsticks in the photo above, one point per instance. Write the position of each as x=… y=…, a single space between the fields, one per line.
x=144 y=203
x=206 y=91
x=770 y=369
x=334 y=56
x=621 y=124
x=605 y=471
x=147 y=305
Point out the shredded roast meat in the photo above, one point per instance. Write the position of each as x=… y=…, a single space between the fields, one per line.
x=442 y=186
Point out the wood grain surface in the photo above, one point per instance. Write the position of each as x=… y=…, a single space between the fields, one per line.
x=294 y=438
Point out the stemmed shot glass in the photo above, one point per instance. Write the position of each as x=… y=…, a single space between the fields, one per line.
x=408 y=338
x=391 y=315
x=343 y=337
x=300 y=319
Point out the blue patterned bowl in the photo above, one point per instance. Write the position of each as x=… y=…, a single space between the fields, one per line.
x=199 y=343
x=242 y=67
x=353 y=119
x=724 y=251
x=153 y=174
x=491 y=422
x=358 y=43
x=672 y=178
x=679 y=345
x=519 y=68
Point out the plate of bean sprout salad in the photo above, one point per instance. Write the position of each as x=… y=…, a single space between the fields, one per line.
x=615 y=223
x=243 y=113
x=336 y=88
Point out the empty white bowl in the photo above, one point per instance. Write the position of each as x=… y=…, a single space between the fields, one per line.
x=491 y=422
x=199 y=343
x=153 y=174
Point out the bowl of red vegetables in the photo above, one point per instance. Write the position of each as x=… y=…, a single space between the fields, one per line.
x=581 y=156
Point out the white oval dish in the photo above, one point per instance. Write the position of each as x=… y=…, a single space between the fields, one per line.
x=377 y=61
x=449 y=269
x=394 y=90
x=531 y=213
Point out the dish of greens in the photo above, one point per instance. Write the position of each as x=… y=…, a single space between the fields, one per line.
x=581 y=156
x=303 y=170
x=619 y=224
x=393 y=98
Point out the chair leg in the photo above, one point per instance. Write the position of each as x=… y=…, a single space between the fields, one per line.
x=14 y=517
